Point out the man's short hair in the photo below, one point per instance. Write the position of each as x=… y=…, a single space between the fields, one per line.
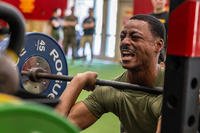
x=56 y=9
x=157 y=28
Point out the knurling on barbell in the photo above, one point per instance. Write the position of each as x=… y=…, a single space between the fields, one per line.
x=36 y=74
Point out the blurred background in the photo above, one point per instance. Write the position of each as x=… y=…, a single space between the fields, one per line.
x=110 y=17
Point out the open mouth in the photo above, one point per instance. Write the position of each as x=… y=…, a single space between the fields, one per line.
x=127 y=53
x=127 y=56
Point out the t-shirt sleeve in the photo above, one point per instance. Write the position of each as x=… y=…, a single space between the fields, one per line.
x=122 y=77
x=85 y=21
x=156 y=106
x=94 y=20
x=101 y=101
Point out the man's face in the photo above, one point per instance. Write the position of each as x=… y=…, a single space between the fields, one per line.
x=137 y=45
x=158 y=4
x=59 y=12
x=91 y=13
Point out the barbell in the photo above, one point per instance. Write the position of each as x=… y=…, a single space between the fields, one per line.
x=44 y=69
x=36 y=74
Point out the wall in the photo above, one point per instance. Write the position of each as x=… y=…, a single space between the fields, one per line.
x=38 y=12
x=142 y=6
x=38 y=9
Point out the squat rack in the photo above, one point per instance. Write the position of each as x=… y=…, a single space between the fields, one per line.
x=180 y=111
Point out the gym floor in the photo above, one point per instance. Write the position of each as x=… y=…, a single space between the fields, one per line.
x=108 y=71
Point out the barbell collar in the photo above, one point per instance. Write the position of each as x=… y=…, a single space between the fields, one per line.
x=38 y=74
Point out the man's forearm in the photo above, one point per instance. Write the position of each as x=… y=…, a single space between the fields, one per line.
x=158 y=129
x=70 y=95
x=71 y=23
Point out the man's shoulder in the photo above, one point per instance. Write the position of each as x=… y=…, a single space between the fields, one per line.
x=88 y=19
x=122 y=77
x=70 y=17
x=103 y=90
x=164 y=14
x=52 y=18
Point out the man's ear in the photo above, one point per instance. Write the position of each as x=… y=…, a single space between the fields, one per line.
x=159 y=44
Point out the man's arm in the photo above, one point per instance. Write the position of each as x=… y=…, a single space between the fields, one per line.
x=77 y=113
x=81 y=116
x=55 y=23
x=156 y=106
x=158 y=129
x=69 y=23
x=87 y=25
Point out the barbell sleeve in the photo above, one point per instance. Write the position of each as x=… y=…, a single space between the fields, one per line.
x=37 y=75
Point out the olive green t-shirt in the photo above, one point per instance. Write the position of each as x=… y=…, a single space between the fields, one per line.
x=138 y=111
x=70 y=30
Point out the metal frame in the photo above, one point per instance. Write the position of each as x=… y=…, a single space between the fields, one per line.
x=180 y=111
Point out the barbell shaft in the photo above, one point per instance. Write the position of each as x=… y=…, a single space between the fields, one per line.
x=115 y=84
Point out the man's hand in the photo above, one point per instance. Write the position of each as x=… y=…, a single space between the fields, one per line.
x=69 y=23
x=88 y=25
x=89 y=78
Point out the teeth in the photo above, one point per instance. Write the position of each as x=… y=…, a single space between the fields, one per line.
x=127 y=53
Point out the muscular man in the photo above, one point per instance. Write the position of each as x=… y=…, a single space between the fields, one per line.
x=142 y=39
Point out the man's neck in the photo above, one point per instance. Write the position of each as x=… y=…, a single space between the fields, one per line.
x=159 y=10
x=144 y=77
